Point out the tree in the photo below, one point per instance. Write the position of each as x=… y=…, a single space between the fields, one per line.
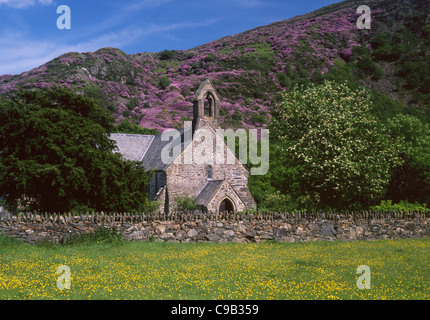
x=126 y=127
x=342 y=153
x=411 y=180
x=56 y=156
x=367 y=65
x=279 y=189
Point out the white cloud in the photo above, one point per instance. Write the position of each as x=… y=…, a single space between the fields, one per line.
x=181 y=25
x=145 y=3
x=22 y=4
x=20 y=53
x=248 y=3
x=122 y=15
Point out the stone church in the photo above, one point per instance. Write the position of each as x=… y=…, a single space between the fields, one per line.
x=215 y=187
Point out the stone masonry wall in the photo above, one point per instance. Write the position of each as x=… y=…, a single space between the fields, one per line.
x=240 y=228
x=184 y=178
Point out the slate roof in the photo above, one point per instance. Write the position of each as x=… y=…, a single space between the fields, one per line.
x=152 y=158
x=145 y=148
x=208 y=192
x=132 y=146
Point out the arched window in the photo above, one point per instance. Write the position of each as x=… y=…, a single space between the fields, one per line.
x=210 y=173
x=208 y=105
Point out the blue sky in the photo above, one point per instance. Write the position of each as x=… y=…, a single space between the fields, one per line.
x=29 y=36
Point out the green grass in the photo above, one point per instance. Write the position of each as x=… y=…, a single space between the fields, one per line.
x=136 y=270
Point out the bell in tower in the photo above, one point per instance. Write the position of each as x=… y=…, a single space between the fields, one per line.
x=206 y=105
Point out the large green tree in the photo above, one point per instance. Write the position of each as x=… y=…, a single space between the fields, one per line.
x=344 y=157
x=411 y=180
x=55 y=155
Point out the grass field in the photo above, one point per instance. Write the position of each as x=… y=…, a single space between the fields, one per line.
x=316 y=270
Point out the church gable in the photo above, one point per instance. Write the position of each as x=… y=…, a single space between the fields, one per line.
x=207 y=147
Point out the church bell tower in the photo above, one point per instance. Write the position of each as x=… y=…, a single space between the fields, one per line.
x=206 y=105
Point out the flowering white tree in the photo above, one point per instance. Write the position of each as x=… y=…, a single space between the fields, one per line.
x=343 y=154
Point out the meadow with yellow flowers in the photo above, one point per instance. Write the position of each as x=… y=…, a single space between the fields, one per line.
x=149 y=270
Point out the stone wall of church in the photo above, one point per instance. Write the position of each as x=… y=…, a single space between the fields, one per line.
x=183 y=178
x=237 y=175
x=190 y=179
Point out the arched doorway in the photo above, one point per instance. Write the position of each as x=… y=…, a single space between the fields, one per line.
x=226 y=206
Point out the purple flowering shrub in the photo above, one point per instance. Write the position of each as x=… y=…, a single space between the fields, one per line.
x=248 y=69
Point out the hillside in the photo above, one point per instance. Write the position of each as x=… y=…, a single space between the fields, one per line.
x=249 y=69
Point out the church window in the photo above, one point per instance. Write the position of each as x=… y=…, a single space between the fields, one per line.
x=210 y=173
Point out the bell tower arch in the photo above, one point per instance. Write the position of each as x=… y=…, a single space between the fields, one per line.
x=205 y=105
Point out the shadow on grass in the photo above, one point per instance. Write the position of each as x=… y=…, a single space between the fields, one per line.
x=8 y=241
x=98 y=236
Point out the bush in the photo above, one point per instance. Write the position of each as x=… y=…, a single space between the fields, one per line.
x=167 y=54
x=278 y=202
x=388 y=52
x=3 y=205
x=405 y=206
x=126 y=113
x=126 y=127
x=77 y=207
x=366 y=65
x=185 y=204
x=210 y=58
x=153 y=206
x=259 y=118
x=164 y=83
x=385 y=107
x=360 y=51
x=378 y=74
x=133 y=103
x=236 y=116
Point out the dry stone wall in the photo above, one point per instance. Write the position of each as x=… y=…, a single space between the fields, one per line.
x=240 y=228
